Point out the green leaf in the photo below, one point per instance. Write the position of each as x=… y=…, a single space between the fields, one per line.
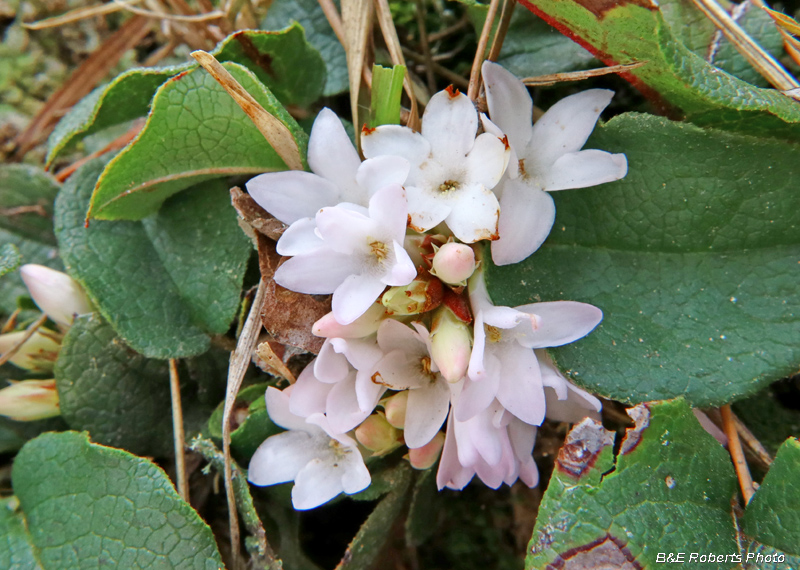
x=121 y=398
x=16 y=548
x=195 y=132
x=10 y=258
x=89 y=506
x=284 y=61
x=636 y=31
x=387 y=89
x=118 y=266
x=11 y=285
x=253 y=430
x=699 y=34
x=669 y=471
x=692 y=258
x=367 y=544
x=319 y=33
x=773 y=515
x=205 y=252
x=26 y=202
x=532 y=47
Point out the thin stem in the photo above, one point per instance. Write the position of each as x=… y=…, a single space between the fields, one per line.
x=475 y=74
x=178 y=435
x=751 y=441
x=426 y=47
x=761 y=60
x=28 y=334
x=737 y=455
x=11 y=322
x=502 y=29
x=240 y=359
x=450 y=76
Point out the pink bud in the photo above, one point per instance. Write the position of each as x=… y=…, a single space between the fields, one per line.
x=57 y=294
x=395 y=407
x=454 y=263
x=364 y=325
x=37 y=354
x=29 y=400
x=424 y=457
x=451 y=344
x=377 y=435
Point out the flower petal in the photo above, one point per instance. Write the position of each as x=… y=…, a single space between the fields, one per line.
x=308 y=394
x=487 y=161
x=389 y=209
x=281 y=457
x=342 y=407
x=520 y=390
x=560 y=323
x=523 y=437
x=279 y=410
x=474 y=214
x=299 y=238
x=427 y=410
x=382 y=171
x=330 y=366
x=394 y=140
x=526 y=218
x=510 y=104
x=451 y=473
x=355 y=476
x=399 y=370
x=425 y=209
x=316 y=484
x=345 y=230
x=331 y=155
x=585 y=168
x=290 y=196
x=476 y=396
x=449 y=124
x=354 y=296
x=565 y=127
x=319 y=272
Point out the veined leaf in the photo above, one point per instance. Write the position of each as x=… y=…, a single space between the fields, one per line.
x=692 y=258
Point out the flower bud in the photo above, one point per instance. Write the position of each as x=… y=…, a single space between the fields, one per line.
x=451 y=344
x=395 y=407
x=29 y=400
x=364 y=325
x=454 y=263
x=423 y=294
x=377 y=435
x=424 y=457
x=37 y=354
x=57 y=294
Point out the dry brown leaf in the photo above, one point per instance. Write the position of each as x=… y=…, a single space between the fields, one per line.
x=256 y=216
x=272 y=363
x=81 y=82
x=288 y=316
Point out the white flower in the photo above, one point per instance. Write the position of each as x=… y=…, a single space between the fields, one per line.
x=452 y=171
x=494 y=445
x=502 y=364
x=321 y=463
x=37 y=354
x=359 y=254
x=57 y=294
x=408 y=366
x=547 y=157
x=339 y=383
x=338 y=175
x=565 y=401
x=29 y=400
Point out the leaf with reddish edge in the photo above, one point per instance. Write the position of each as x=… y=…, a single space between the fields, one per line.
x=677 y=80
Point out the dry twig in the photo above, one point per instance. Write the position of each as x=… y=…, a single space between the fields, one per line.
x=475 y=74
x=554 y=78
x=29 y=332
x=737 y=455
x=240 y=360
x=502 y=29
x=178 y=435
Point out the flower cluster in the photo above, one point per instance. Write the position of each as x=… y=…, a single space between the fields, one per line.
x=414 y=342
x=61 y=298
